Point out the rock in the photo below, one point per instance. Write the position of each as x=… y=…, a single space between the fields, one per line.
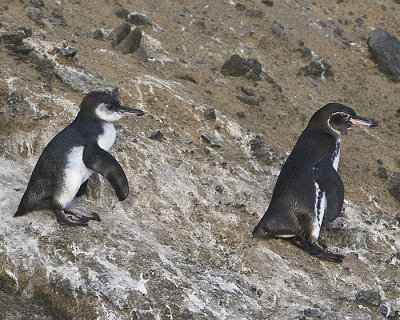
x=394 y=187
x=66 y=50
x=37 y=3
x=338 y=31
x=138 y=19
x=312 y=313
x=241 y=114
x=316 y=69
x=240 y=7
x=369 y=297
x=140 y=55
x=382 y=173
x=12 y=38
x=219 y=188
x=235 y=66
x=385 y=51
x=248 y=91
x=157 y=135
x=276 y=31
x=118 y=34
x=34 y=14
x=305 y=52
x=256 y=69
x=269 y=3
x=271 y=81
x=211 y=140
x=255 y=143
x=254 y=13
x=131 y=42
x=24 y=32
x=398 y=217
x=248 y=100
x=23 y=49
x=57 y=13
x=263 y=152
x=121 y=12
x=82 y=82
x=98 y=35
x=345 y=235
x=14 y=98
x=42 y=64
x=209 y=114
x=386 y=308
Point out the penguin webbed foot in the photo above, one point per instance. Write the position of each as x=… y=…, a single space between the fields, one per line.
x=83 y=214
x=63 y=219
x=315 y=249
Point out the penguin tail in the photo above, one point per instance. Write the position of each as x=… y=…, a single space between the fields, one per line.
x=20 y=213
x=261 y=231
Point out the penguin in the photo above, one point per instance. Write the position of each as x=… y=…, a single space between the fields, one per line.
x=72 y=156
x=309 y=188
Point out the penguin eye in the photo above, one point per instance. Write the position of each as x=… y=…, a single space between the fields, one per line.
x=110 y=107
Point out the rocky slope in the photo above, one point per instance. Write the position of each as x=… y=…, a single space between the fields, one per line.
x=203 y=161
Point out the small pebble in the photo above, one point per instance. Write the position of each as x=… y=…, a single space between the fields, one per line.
x=209 y=114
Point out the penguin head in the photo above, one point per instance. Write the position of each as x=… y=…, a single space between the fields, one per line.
x=337 y=119
x=106 y=107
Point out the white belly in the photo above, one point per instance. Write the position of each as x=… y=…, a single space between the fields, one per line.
x=75 y=173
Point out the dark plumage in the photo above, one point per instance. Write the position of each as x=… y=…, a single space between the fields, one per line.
x=308 y=185
x=72 y=156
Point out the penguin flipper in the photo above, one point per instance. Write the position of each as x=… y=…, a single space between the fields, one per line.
x=330 y=182
x=100 y=161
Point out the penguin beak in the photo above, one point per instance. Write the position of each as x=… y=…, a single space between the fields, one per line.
x=361 y=121
x=130 y=112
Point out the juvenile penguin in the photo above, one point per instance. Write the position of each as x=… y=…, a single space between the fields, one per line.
x=72 y=156
x=308 y=187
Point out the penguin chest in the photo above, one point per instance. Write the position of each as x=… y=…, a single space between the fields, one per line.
x=320 y=197
x=106 y=139
x=319 y=211
x=336 y=155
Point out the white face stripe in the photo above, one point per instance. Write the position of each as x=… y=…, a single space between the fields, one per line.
x=107 y=115
x=329 y=121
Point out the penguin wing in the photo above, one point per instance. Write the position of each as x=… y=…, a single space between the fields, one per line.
x=100 y=161
x=330 y=182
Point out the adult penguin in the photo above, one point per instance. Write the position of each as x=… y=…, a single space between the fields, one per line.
x=308 y=187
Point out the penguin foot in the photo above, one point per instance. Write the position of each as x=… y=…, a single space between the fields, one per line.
x=316 y=250
x=83 y=214
x=62 y=218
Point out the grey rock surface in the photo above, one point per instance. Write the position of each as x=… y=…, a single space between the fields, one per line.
x=119 y=34
x=180 y=246
x=385 y=50
x=138 y=19
x=83 y=82
x=131 y=42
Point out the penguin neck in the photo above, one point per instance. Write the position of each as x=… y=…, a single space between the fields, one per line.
x=94 y=128
x=107 y=138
